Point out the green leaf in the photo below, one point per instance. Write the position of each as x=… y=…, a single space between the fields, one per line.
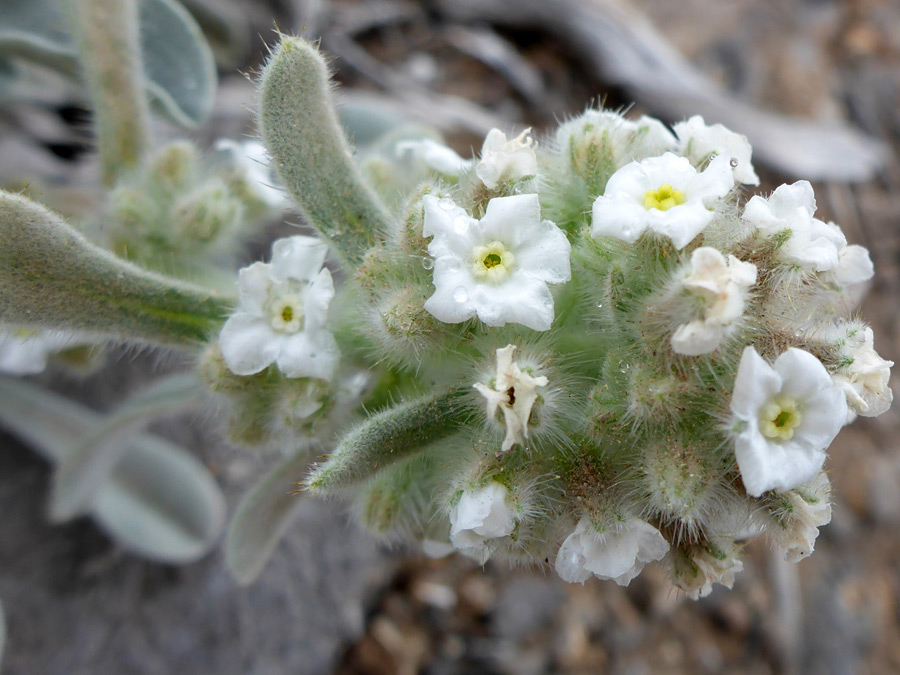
x=159 y=503
x=299 y=127
x=51 y=276
x=178 y=63
x=387 y=437
x=84 y=469
x=262 y=518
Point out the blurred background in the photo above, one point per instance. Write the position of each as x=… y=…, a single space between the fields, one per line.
x=814 y=84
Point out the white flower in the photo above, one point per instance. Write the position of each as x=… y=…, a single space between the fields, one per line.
x=496 y=268
x=25 y=351
x=854 y=266
x=515 y=393
x=283 y=306
x=435 y=156
x=715 y=563
x=627 y=140
x=618 y=554
x=808 y=508
x=791 y=411
x=813 y=243
x=479 y=516
x=722 y=285
x=251 y=158
x=664 y=194
x=865 y=379
x=699 y=142
x=506 y=160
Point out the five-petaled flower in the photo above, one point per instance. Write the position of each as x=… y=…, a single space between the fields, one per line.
x=664 y=194
x=496 y=268
x=281 y=315
x=722 y=286
x=786 y=414
x=515 y=393
x=617 y=553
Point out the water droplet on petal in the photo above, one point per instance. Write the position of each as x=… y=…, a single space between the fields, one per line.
x=428 y=263
x=461 y=224
x=461 y=294
x=733 y=163
x=446 y=203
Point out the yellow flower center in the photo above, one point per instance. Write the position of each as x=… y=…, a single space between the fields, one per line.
x=663 y=198
x=492 y=263
x=286 y=313
x=779 y=417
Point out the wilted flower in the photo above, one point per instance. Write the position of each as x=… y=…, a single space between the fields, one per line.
x=722 y=284
x=515 y=393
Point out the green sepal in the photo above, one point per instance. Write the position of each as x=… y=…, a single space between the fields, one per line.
x=178 y=66
x=51 y=276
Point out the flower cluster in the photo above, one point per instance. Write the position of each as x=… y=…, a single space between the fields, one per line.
x=627 y=363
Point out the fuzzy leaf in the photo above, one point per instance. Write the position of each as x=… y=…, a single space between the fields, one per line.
x=300 y=128
x=262 y=518
x=160 y=502
x=388 y=437
x=178 y=63
x=51 y=276
x=83 y=470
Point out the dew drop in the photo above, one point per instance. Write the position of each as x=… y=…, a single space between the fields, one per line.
x=428 y=263
x=733 y=163
x=446 y=203
x=461 y=294
x=461 y=224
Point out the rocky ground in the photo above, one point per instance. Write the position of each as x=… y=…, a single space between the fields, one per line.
x=334 y=600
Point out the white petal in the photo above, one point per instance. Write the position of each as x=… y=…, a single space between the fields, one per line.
x=756 y=382
x=248 y=344
x=309 y=354
x=696 y=338
x=614 y=217
x=297 y=257
x=452 y=301
x=253 y=288
x=522 y=299
x=434 y=155
x=802 y=373
x=317 y=297
x=854 y=265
